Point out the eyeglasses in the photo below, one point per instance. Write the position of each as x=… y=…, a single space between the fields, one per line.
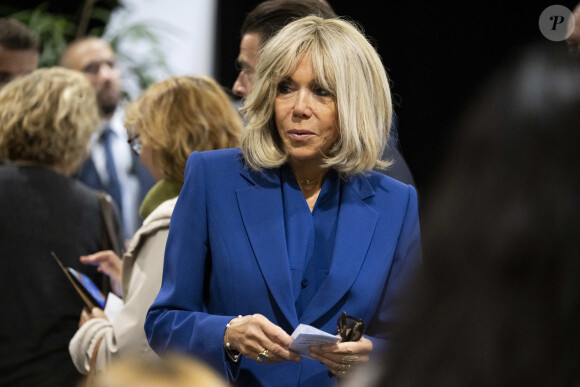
x=136 y=145
x=350 y=328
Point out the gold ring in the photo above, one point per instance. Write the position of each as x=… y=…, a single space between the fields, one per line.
x=350 y=359
x=262 y=356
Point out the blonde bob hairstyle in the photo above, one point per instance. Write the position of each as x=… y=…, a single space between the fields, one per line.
x=47 y=118
x=180 y=115
x=346 y=65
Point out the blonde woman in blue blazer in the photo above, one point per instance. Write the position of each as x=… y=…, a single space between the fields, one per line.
x=294 y=227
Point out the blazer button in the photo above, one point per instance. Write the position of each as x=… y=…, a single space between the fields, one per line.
x=304 y=283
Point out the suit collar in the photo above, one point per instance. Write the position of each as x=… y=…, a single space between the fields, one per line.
x=263 y=216
x=359 y=184
x=357 y=220
x=262 y=212
x=265 y=177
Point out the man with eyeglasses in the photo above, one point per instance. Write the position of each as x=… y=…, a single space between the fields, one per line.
x=111 y=167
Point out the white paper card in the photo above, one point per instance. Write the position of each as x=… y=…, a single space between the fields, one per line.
x=305 y=335
x=113 y=306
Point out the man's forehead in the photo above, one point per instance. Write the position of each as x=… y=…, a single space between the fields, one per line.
x=18 y=61
x=249 y=49
x=93 y=51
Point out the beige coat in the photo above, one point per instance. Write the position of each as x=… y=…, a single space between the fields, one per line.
x=142 y=271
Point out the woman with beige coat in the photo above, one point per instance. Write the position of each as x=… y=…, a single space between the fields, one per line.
x=170 y=120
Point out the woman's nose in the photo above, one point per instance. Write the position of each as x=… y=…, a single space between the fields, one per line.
x=302 y=103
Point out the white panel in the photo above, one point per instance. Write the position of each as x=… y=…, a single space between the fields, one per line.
x=186 y=31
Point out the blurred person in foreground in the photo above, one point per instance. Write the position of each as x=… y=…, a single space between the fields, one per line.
x=497 y=301
x=294 y=227
x=166 y=123
x=573 y=40
x=261 y=24
x=170 y=371
x=46 y=121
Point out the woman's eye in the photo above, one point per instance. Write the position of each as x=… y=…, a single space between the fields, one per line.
x=322 y=92
x=284 y=88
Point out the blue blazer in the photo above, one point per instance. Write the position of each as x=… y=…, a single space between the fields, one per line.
x=226 y=255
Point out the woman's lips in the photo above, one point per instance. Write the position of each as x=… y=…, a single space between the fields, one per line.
x=300 y=135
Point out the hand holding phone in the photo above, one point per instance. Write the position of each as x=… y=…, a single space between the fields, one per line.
x=88 y=287
x=87 y=290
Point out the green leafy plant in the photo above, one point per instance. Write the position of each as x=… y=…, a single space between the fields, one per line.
x=57 y=28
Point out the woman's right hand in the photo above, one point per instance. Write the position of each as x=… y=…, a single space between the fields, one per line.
x=94 y=313
x=253 y=334
x=109 y=263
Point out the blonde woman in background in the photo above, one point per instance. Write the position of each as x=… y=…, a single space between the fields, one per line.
x=166 y=123
x=47 y=118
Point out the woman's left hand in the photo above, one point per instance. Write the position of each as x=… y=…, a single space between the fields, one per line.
x=341 y=357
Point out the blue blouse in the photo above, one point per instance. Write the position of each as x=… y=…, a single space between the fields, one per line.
x=309 y=235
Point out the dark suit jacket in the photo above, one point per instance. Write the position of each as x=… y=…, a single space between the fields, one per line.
x=88 y=175
x=42 y=211
x=400 y=169
x=226 y=255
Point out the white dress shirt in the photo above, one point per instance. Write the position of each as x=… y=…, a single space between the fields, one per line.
x=125 y=171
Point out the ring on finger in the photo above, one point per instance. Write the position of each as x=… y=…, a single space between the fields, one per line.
x=262 y=356
x=349 y=359
x=344 y=367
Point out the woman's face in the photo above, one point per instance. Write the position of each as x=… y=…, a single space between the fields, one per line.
x=305 y=114
x=148 y=158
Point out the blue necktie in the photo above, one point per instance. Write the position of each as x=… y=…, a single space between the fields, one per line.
x=113 y=188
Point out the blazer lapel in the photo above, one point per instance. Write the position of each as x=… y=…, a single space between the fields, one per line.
x=356 y=225
x=263 y=216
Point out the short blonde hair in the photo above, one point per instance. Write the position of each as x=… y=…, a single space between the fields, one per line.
x=175 y=370
x=346 y=65
x=183 y=114
x=48 y=117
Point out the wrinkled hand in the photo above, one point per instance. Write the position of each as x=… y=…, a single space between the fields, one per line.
x=341 y=357
x=95 y=313
x=253 y=334
x=109 y=263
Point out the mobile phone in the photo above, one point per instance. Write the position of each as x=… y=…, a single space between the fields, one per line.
x=88 y=287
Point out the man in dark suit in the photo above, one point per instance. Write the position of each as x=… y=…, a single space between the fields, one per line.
x=112 y=167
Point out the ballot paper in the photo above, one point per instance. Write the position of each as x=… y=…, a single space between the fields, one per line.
x=305 y=335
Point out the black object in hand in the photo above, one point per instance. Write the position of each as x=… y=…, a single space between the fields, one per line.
x=350 y=328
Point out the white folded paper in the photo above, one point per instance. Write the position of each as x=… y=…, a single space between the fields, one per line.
x=113 y=306
x=305 y=335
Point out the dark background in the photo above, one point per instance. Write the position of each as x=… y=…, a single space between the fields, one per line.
x=437 y=57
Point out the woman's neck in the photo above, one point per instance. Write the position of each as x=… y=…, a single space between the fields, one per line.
x=308 y=175
x=310 y=178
